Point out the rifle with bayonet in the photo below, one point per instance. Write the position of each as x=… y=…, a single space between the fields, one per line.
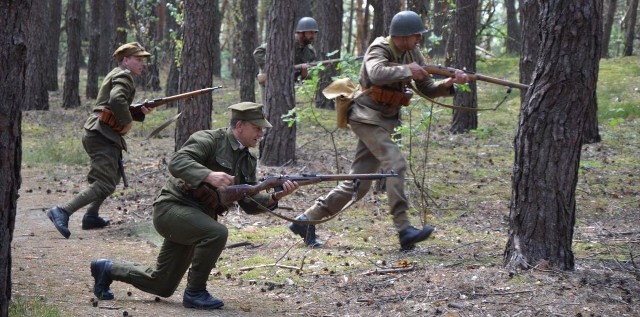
x=220 y=199
x=136 y=109
x=451 y=72
x=262 y=77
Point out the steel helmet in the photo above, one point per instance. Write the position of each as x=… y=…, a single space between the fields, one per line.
x=406 y=23
x=307 y=24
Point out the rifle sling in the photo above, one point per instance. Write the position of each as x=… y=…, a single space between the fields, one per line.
x=302 y=222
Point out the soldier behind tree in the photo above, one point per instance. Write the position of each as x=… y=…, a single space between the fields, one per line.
x=306 y=31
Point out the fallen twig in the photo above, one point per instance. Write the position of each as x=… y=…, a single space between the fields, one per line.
x=390 y=270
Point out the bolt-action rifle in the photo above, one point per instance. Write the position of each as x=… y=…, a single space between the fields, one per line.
x=220 y=200
x=262 y=77
x=451 y=72
x=137 y=108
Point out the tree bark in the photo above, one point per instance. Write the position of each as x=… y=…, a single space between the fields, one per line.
x=630 y=30
x=531 y=42
x=36 y=78
x=441 y=28
x=13 y=62
x=197 y=69
x=248 y=39
x=549 y=137
x=609 y=16
x=93 y=72
x=216 y=48
x=71 y=90
x=279 y=144
x=329 y=17
x=53 y=35
x=465 y=58
x=514 y=33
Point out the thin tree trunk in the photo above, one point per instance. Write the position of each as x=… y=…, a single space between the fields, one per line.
x=93 y=71
x=197 y=69
x=610 y=14
x=71 y=90
x=55 y=17
x=465 y=58
x=329 y=17
x=630 y=31
x=248 y=38
x=279 y=144
x=36 y=83
x=514 y=33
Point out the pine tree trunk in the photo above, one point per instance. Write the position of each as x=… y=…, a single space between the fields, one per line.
x=13 y=60
x=550 y=134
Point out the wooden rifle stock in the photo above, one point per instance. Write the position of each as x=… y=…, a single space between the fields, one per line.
x=137 y=108
x=451 y=72
x=235 y=193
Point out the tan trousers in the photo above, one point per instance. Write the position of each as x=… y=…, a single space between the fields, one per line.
x=375 y=151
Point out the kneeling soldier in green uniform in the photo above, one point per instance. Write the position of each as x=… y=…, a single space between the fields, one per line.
x=193 y=238
x=103 y=139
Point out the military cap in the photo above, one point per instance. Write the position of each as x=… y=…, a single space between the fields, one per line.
x=130 y=49
x=251 y=112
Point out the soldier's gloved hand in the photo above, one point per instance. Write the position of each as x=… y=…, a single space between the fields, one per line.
x=219 y=179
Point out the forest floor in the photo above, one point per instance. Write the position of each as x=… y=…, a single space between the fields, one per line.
x=361 y=271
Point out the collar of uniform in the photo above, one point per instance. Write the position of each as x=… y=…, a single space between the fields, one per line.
x=394 y=49
x=235 y=144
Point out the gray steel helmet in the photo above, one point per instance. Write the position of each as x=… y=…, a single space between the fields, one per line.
x=406 y=23
x=307 y=24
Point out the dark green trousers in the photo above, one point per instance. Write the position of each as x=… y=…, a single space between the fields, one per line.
x=191 y=238
x=103 y=173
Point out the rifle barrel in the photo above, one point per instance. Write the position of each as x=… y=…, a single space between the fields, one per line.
x=451 y=72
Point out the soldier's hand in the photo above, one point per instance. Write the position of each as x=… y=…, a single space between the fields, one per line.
x=288 y=187
x=219 y=179
x=146 y=110
x=304 y=71
x=460 y=78
x=417 y=72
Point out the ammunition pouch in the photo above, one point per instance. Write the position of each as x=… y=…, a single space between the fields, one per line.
x=107 y=117
x=208 y=197
x=391 y=98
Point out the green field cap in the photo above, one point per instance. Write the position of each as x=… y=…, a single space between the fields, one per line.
x=249 y=111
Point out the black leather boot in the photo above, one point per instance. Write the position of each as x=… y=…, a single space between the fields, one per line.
x=92 y=221
x=200 y=300
x=60 y=219
x=307 y=232
x=101 y=272
x=410 y=236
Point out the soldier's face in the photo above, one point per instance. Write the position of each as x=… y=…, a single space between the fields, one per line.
x=409 y=42
x=248 y=133
x=135 y=64
x=307 y=37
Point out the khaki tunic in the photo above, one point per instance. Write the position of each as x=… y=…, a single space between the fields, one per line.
x=104 y=145
x=192 y=236
x=373 y=123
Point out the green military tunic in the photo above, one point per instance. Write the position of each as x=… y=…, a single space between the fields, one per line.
x=104 y=145
x=373 y=123
x=192 y=236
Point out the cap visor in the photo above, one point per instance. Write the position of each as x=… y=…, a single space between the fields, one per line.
x=262 y=123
